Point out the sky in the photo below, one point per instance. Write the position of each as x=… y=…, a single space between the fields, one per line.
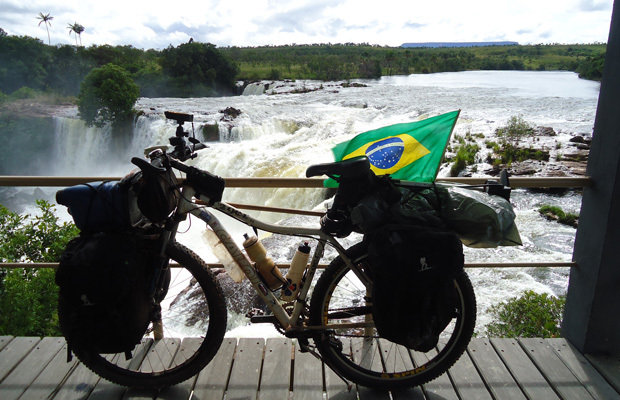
x=157 y=24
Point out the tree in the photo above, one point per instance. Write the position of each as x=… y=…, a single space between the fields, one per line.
x=107 y=94
x=77 y=29
x=47 y=18
x=28 y=296
x=198 y=69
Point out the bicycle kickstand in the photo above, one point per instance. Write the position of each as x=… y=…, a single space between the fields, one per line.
x=305 y=347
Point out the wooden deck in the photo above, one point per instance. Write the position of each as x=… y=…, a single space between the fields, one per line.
x=33 y=368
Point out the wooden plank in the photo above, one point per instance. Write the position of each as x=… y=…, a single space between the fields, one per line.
x=212 y=380
x=80 y=383
x=608 y=366
x=184 y=389
x=106 y=390
x=497 y=377
x=4 y=340
x=398 y=358
x=589 y=377
x=307 y=376
x=13 y=353
x=528 y=377
x=245 y=373
x=156 y=357
x=335 y=388
x=467 y=381
x=368 y=353
x=52 y=377
x=554 y=370
x=160 y=356
x=30 y=367
x=440 y=388
x=276 y=376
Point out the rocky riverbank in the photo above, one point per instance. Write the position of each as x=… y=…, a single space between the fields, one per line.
x=35 y=109
x=545 y=153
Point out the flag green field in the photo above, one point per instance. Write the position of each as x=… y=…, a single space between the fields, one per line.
x=409 y=151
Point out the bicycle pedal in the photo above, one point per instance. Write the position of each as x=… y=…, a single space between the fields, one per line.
x=254 y=312
x=263 y=319
x=304 y=345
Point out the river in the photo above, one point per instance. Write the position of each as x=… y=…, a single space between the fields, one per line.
x=282 y=134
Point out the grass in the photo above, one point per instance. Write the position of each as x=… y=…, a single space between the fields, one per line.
x=554 y=213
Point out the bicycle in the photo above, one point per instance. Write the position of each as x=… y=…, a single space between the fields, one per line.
x=338 y=317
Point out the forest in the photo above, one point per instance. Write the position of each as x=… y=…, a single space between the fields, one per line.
x=202 y=69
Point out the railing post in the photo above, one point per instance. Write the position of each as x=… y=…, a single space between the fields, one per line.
x=591 y=320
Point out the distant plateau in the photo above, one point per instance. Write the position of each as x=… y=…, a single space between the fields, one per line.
x=458 y=44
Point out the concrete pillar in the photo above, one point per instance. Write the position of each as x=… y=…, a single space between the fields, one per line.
x=591 y=319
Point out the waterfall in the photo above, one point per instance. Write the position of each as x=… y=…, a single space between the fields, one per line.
x=81 y=150
x=241 y=152
x=255 y=89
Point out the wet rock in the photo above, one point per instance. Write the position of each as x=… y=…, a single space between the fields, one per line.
x=230 y=113
x=528 y=167
x=211 y=132
x=577 y=155
x=577 y=139
x=544 y=131
x=240 y=299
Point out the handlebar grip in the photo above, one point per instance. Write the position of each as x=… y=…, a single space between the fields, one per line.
x=179 y=165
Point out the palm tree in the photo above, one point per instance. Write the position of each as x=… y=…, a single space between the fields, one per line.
x=77 y=29
x=47 y=20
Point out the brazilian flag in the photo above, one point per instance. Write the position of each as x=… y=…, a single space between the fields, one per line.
x=410 y=151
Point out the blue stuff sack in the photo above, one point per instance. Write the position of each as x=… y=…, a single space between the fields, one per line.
x=97 y=206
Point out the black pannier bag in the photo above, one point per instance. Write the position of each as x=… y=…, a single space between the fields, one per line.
x=106 y=284
x=413 y=271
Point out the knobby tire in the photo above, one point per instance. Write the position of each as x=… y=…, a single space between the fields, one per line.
x=360 y=354
x=195 y=310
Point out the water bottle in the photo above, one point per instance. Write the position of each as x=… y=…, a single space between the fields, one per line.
x=222 y=254
x=264 y=264
x=296 y=272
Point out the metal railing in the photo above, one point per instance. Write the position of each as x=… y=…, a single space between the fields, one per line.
x=515 y=182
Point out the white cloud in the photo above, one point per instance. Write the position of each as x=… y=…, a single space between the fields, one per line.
x=159 y=23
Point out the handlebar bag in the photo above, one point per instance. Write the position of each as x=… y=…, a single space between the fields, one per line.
x=413 y=270
x=97 y=206
x=155 y=195
x=106 y=287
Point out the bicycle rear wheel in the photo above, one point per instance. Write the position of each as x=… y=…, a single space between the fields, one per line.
x=193 y=325
x=359 y=353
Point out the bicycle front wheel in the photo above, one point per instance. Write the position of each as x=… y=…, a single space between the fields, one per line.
x=191 y=330
x=351 y=344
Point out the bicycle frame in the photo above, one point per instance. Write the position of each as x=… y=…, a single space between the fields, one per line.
x=288 y=322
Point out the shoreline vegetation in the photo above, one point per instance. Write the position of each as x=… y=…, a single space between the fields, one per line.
x=28 y=66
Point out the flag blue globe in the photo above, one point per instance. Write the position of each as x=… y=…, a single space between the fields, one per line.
x=386 y=153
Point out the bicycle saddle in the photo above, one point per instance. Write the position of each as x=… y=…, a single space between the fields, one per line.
x=352 y=168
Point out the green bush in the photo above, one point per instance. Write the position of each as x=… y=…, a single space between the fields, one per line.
x=24 y=93
x=517 y=128
x=28 y=296
x=531 y=315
